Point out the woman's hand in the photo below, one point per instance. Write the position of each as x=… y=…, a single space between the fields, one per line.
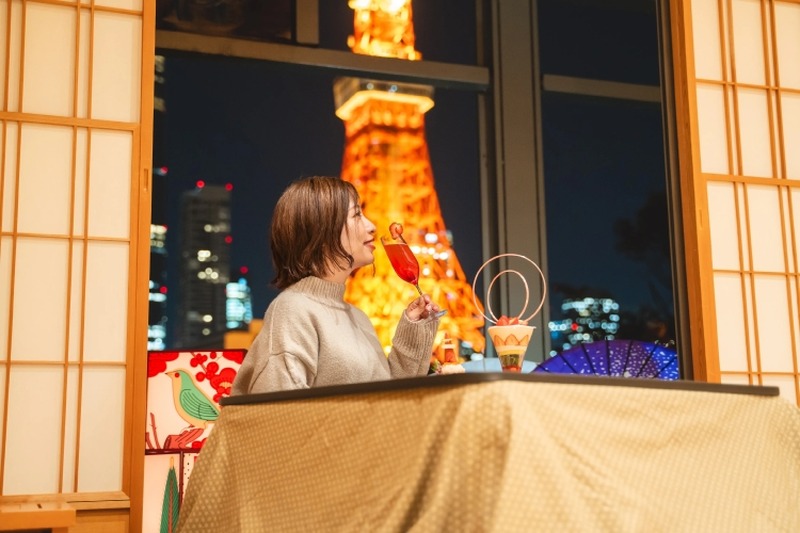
x=422 y=308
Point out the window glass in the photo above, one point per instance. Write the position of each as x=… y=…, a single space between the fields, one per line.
x=605 y=184
x=252 y=127
x=598 y=39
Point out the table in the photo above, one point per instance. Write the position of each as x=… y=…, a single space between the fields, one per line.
x=504 y=453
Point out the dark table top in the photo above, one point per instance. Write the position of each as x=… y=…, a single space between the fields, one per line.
x=453 y=380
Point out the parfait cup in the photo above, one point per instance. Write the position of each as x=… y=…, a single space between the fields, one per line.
x=510 y=343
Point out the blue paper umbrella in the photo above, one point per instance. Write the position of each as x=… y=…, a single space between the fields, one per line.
x=620 y=358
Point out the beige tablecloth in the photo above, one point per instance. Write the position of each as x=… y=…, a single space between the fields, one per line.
x=502 y=455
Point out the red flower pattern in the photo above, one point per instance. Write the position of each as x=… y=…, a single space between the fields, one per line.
x=220 y=380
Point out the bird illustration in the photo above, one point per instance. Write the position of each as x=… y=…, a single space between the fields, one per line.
x=191 y=403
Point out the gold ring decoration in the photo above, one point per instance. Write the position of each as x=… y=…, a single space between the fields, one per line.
x=492 y=318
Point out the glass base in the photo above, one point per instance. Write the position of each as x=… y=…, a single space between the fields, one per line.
x=511 y=362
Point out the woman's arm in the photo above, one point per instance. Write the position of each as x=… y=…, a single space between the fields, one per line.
x=412 y=347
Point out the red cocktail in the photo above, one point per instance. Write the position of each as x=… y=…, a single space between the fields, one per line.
x=403 y=261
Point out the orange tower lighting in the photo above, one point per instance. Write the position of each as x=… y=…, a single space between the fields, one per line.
x=386 y=158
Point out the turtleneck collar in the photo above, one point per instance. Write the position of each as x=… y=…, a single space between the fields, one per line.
x=327 y=292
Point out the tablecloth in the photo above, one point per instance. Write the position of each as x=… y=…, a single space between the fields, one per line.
x=501 y=455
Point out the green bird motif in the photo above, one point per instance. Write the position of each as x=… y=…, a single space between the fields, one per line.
x=191 y=403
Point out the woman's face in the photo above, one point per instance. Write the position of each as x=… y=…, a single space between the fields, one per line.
x=358 y=236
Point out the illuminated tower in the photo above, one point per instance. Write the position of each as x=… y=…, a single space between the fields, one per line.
x=386 y=158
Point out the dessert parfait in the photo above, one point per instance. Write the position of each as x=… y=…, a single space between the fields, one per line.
x=510 y=335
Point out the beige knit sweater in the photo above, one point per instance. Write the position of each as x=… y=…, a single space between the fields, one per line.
x=311 y=337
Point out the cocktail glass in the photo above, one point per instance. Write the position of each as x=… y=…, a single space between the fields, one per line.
x=404 y=262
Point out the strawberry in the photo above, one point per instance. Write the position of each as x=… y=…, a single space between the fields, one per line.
x=505 y=321
x=396 y=229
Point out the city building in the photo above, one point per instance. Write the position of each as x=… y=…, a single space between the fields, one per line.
x=238 y=304
x=205 y=264
x=157 y=315
x=585 y=320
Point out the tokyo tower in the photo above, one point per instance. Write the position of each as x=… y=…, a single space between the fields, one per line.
x=386 y=158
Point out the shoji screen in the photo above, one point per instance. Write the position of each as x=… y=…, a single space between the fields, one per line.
x=71 y=135
x=742 y=71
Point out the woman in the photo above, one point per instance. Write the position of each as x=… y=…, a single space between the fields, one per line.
x=311 y=337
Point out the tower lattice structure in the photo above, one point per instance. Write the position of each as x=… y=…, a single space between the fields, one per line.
x=386 y=158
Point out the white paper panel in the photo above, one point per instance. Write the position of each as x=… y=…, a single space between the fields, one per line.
x=40 y=299
x=102 y=429
x=133 y=5
x=3 y=22
x=711 y=118
x=5 y=294
x=744 y=236
x=34 y=413
x=81 y=177
x=76 y=303
x=750 y=318
x=15 y=56
x=734 y=139
x=730 y=322
x=795 y=199
x=71 y=429
x=790 y=112
x=748 y=42
x=83 y=64
x=49 y=59
x=705 y=34
x=754 y=133
x=734 y=379
x=787 y=28
x=722 y=224
x=3 y=369
x=45 y=182
x=774 y=326
x=106 y=314
x=786 y=225
x=775 y=132
x=784 y=383
x=116 y=75
x=765 y=229
x=794 y=314
x=110 y=184
x=9 y=177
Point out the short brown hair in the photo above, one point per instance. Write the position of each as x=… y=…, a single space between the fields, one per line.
x=306 y=230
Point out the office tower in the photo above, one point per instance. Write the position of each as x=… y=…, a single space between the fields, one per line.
x=157 y=332
x=386 y=158
x=157 y=309
x=205 y=264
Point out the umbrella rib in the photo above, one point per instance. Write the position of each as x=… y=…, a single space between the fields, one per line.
x=672 y=359
x=566 y=360
x=627 y=357
x=589 y=359
x=647 y=360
